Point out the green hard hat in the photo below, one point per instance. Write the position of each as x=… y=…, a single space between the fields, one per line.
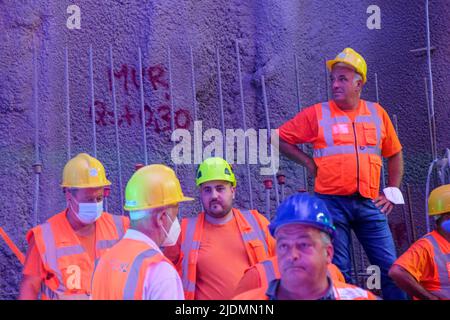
x=215 y=168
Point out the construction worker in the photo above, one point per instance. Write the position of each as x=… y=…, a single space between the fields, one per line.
x=423 y=271
x=219 y=235
x=303 y=229
x=135 y=268
x=62 y=251
x=349 y=137
x=262 y=273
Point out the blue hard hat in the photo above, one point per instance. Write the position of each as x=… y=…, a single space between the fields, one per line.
x=303 y=208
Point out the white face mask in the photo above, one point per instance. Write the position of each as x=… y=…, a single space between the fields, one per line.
x=172 y=236
x=89 y=212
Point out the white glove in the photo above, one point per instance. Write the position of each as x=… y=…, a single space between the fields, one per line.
x=394 y=195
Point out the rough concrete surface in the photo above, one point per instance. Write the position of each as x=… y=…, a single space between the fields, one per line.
x=269 y=32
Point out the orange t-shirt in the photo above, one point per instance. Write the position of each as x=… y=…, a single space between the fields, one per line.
x=250 y=280
x=418 y=260
x=303 y=128
x=33 y=265
x=222 y=260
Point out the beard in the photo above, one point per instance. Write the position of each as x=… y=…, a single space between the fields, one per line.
x=217 y=209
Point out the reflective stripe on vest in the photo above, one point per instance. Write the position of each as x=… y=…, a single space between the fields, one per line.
x=327 y=123
x=256 y=233
x=52 y=254
x=270 y=271
x=133 y=275
x=119 y=225
x=187 y=246
x=105 y=244
x=52 y=295
x=441 y=259
x=350 y=293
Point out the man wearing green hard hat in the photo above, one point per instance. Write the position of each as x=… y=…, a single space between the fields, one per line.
x=135 y=268
x=217 y=236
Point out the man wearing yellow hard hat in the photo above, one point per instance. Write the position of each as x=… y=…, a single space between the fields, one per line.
x=135 y=268
x=423 y=271
x=349 y=137
x=219 y=236
x=63 y=250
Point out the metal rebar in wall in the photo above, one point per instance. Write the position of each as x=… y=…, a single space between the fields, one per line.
x=430 y=122
x=410 y=213
x=267 y=187
x=430 y=77
x=219 y=88
x=141 y=95
x=266 y=111
x=327 y=76
x=193 y=84
x=198 y=137
x=172 y=100
x=249 y=180
x=91 y=80
x=116 y=125
x=299 y=106
x=37 y=167
x=68 y=126
x=404 y=215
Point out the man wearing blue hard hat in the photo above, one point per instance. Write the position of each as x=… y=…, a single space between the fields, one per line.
x=304 y=229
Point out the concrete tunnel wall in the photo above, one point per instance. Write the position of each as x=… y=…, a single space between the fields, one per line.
x=270 y=34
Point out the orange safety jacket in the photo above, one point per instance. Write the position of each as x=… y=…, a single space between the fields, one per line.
x=348 y=154
x=121 y=271
x=442 y=262
x=69 y=267
x=268 y=271
x=341 y=291
x=255 y=240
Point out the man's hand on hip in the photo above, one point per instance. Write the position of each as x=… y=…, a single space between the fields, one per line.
x=382 y=203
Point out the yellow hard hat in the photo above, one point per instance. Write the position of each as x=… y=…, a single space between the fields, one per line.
x=84 y=171
x=439 y=200
x=352 y=58
x=153 y=186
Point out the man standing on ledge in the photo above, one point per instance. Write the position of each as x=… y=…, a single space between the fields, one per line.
x=349 y=137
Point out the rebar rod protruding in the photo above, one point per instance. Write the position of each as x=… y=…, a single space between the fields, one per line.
x=116 y=125
x=37 y=166
x=430 y=77
x=299 y=106
x=241 y=89
x=219 y=85
x=266 y=110
x=91 y=80
x=268 y=183
x=172 y=100
x=68 y=127
x=141 y=91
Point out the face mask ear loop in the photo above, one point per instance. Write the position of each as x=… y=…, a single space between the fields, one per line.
x=164 y=229
x=70 y=206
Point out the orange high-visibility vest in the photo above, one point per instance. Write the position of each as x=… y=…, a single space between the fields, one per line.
x=341 y=290
x=68 y=265
x=348 y=154
x=268 y=271
x=249 y=223
x=442 y=262
x=121 y=271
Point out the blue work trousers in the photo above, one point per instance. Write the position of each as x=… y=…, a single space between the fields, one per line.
x=371 y=227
